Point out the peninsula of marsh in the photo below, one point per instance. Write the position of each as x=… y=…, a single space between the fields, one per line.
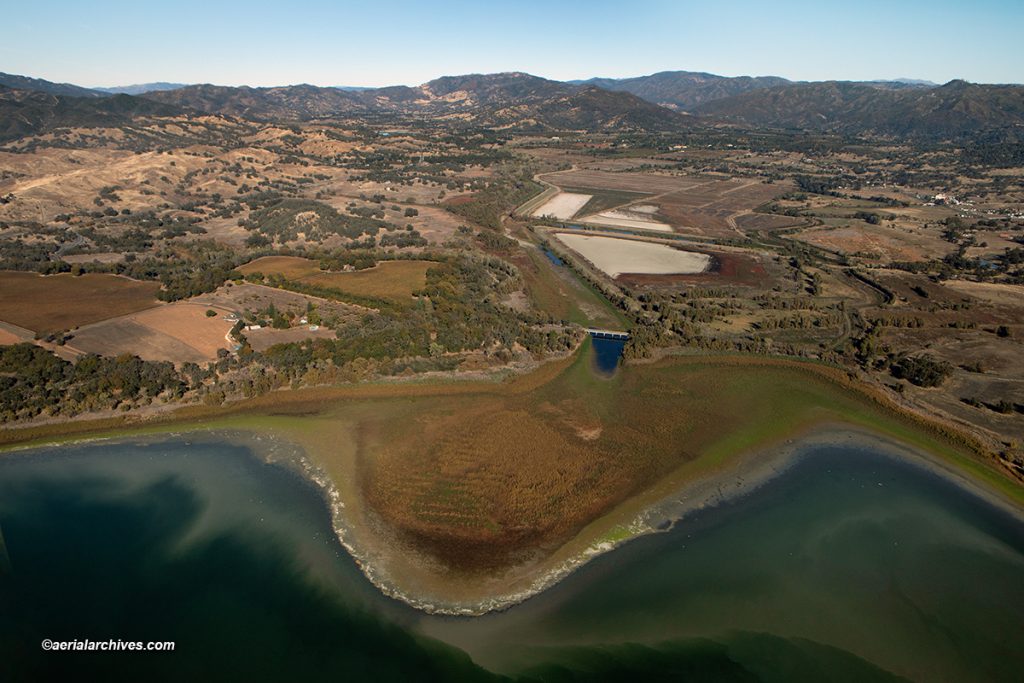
x=465 y=497
x=239 y=553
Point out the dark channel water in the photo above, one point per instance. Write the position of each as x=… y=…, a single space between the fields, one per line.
x=849 y=566
x=553 y=257
x=607 y=353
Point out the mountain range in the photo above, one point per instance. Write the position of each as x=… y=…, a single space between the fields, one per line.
x=955 y=110
x=661 y=102
x=32 y=112
x=684 y=90
x=492 y=100
x=39 y=85
x=141 y=88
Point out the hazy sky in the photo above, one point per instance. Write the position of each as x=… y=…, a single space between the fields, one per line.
x=102 y=43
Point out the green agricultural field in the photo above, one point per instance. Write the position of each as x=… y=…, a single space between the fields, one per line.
x=393 y=280
x=390 y=280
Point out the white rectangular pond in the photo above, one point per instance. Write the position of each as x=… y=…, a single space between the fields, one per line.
x=616 y=256
x=622 y=218
x=563 y=205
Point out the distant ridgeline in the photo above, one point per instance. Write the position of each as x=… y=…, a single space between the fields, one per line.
x=523 y=102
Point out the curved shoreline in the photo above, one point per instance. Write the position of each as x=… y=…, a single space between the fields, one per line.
x=765 y=465
x=404 y=573
x=741 y=476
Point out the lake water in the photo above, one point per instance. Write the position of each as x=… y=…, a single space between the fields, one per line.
x=849 y=566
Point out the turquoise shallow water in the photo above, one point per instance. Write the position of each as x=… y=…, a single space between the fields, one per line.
x=849 y=566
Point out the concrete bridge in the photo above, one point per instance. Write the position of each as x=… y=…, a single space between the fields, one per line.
x=608 y=334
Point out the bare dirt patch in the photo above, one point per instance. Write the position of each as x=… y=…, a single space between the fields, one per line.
x=725 y=268
x=8 y=338
x=250 y=298
x=880 y=242
x=266 y=337
x=178 y=332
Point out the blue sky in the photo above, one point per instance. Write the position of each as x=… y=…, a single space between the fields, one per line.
x=98 y=42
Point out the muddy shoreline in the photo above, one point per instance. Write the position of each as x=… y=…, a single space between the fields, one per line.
x=743 y=475
x=658 y=511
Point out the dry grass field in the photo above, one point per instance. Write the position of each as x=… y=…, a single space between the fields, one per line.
x=991 y=292
x=178 y=332
x=760 y=221
x=956 y=322
x=711 y=209
x=290 y=267
x=54 y=181
x=52 y=303
x=879 y=242
x=393 y=280
x=914 y=290
x=968 y=395
x=435 y=224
